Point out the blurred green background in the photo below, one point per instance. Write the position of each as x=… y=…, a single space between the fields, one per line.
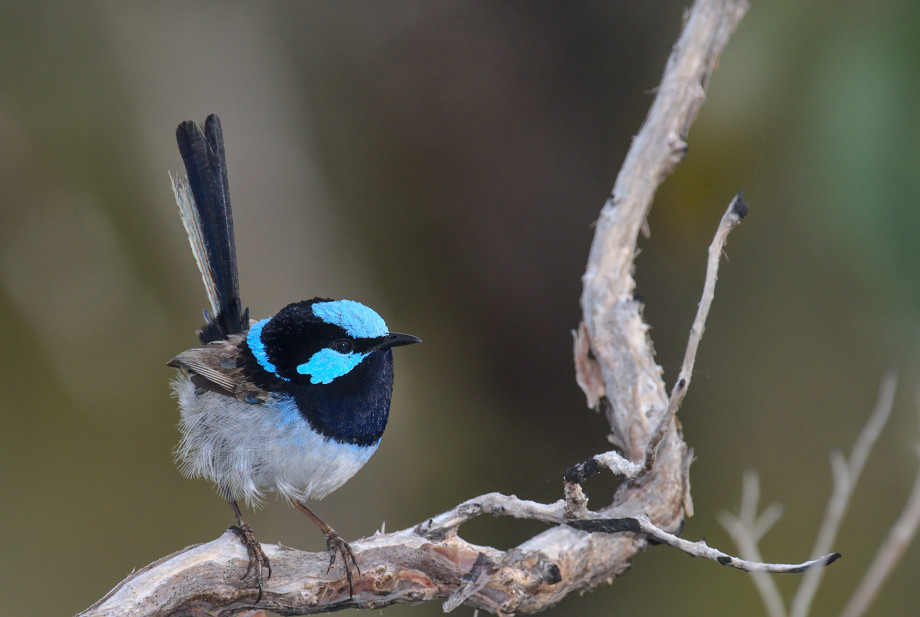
x=443 y=162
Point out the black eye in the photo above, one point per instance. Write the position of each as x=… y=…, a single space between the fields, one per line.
x=343 y=345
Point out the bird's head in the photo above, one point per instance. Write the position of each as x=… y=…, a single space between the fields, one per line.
x=317 y=341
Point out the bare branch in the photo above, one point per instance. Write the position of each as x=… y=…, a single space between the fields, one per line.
x=736 y=211
x=497 y=504
x=746 y=529
x=612 y=460
x=614 y=358
x=846 y=475
x=888 y=555
x=421 y=563
x=494 y=504
x=701 y=549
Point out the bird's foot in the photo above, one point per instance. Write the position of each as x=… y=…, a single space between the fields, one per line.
x=336 y=546
x=258 y=560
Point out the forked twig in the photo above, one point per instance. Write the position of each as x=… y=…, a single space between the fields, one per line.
x=736 y=211
x=846 y=475
x=746 y=529
x=888 y=554
x=614 y=461
x=497 y=504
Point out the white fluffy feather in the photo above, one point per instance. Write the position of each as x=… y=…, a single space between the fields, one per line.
x=250 y=449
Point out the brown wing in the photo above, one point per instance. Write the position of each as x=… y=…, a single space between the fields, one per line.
x=218 y=366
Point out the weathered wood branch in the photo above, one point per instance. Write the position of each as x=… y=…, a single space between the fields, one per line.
x=616 y=369
x=422 y=563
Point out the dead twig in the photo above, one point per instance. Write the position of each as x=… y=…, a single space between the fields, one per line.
x=747 y=528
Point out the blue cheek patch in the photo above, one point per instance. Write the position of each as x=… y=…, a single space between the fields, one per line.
x=353 y=317
x=327 y=364
x=254 y=340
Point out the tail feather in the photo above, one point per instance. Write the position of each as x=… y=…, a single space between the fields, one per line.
x=204 y=205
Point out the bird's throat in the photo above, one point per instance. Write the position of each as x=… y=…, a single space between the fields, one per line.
x=353 y=408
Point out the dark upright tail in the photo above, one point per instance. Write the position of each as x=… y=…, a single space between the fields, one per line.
x=204 y=204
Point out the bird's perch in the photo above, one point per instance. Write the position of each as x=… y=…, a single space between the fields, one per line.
x=616 y=369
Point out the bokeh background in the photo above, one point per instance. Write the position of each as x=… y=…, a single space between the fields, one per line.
x=443 y=162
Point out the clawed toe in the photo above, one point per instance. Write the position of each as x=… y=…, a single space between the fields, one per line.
x=337 y=546
x=258 y=560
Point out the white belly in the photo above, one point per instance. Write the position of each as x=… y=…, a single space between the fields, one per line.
x=250 y=449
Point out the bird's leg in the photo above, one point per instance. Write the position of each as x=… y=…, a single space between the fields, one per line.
x=334 y=544
x=258 y=560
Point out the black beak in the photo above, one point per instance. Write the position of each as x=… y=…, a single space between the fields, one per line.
x=394 y=339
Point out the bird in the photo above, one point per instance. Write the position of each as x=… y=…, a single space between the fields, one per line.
x=293 y=404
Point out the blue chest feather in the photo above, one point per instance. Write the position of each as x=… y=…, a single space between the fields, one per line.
x=353 y=408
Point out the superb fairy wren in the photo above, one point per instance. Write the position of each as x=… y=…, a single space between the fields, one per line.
x=295 y=403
